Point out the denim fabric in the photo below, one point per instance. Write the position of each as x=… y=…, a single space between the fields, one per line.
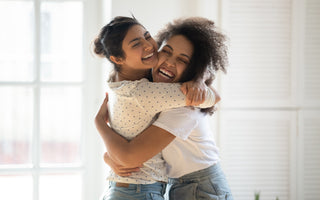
x=153 y=191
x=209 y=183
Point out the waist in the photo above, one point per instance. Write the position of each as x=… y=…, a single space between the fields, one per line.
x=198 y=175
x=157 y=187
x=153 y=170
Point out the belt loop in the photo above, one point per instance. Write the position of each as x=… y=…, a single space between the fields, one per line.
x=138 y=190
x=164 y=188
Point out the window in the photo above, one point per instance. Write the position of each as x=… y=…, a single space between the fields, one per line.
x=44 y=102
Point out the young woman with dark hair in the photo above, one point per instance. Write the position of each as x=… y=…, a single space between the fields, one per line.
x=134 y=102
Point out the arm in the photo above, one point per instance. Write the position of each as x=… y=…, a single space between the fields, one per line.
x=195 y=90
x=218 y=98
x=165 y=96
x=131 y=153
x=119 y=169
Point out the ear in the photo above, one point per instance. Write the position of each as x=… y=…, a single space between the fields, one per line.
x=117 y=60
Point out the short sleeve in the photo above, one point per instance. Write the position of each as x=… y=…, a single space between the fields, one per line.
x=178 y=121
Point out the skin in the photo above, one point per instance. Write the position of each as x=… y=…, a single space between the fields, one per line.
x=125 y=156
x=174 y=58
x=172 y=63
x=140 y=54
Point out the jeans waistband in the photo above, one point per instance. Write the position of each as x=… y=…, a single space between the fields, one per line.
x=157 y=186
x=197 y=175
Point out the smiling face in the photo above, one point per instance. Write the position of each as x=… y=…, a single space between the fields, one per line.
x=139 y=48
x=174 y=58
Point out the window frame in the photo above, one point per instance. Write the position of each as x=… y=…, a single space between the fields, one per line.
x=91 y=167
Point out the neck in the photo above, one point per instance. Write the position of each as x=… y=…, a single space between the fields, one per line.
x=131 y=75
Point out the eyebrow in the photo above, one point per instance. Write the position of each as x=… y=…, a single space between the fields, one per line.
x=185 y=55
x=135 y=39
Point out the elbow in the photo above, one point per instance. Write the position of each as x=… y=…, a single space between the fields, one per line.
x=98 y=121
x=129 y=159
x=216 y=95
x=217 y=99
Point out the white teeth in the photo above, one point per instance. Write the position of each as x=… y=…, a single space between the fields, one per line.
x=166 y=73
x=148 y=56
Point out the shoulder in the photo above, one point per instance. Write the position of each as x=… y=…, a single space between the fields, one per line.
x=125 y=86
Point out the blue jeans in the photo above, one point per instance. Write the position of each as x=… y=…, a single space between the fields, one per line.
x=153 y=191
x=209 y=183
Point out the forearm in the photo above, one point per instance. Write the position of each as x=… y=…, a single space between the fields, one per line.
x=137 y=151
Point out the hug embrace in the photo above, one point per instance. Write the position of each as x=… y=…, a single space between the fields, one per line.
x=154 y=119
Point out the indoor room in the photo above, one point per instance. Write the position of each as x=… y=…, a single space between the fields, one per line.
x=266 y=126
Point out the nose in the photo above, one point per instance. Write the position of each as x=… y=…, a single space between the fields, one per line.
x=147 y=46
x=170 y=61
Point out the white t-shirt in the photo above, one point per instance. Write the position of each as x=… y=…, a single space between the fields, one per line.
x=193 y=148
x=132 y=107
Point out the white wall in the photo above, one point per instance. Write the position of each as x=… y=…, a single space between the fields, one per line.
x=154 y=14
x=267 y=125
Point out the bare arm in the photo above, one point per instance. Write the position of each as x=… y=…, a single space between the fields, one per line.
x=218 y=98
x=196 y=90
x=117 y=168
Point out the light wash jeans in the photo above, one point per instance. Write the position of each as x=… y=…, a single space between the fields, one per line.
x=209 y=183
x=153 y=191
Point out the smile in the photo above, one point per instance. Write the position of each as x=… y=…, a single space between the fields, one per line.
x=148 y=56
x=166 y=73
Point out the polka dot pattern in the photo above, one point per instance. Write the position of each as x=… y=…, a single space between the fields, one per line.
x=133 y=106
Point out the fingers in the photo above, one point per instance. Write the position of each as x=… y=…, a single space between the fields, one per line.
x=195 y=97
x=105 y=100
x=103 y=111
x=195 y=93
x=184 y=88
x=203 y=97
x=126 y=171
x=107 y=97
x=190 y=96
x=123 y=174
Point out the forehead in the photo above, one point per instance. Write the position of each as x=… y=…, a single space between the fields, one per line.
x=180 y=44
x=134 y=31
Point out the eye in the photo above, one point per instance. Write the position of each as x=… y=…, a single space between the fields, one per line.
x=148 y=37
x=136 y=44
x=183 y=61
x=166 y=51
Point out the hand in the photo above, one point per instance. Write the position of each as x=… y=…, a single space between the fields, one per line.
x=195 y=92
x=119 y=169
x=218 y=98
x=103 y=111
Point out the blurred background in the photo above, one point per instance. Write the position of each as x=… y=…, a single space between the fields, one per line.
x=267 y=125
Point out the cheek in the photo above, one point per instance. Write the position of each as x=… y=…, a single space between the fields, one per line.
x=161 y=58
x=134 y=56
x=181 y=69
x=160 y=62
x=155 y=45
